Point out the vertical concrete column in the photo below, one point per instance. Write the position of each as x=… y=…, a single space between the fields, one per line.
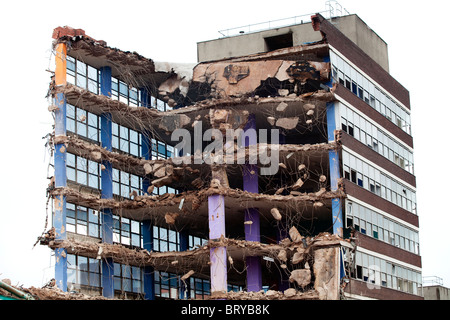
x=252 y=218
x=107 y=186
x=218 y=255
x=59 y=214
x=147 y=225
x=334 y=171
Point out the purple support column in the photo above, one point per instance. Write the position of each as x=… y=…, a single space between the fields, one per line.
x=218 y=256
x=252 y=230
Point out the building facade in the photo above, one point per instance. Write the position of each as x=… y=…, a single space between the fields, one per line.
x=326 y=180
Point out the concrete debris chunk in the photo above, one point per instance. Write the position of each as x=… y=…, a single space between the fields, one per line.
x=162 y=181
x=282 y=255
x=271 y=120
x=52 y=108
x=170 y=218
x=298 y=257
x=276 y=214
x=150 y=189
x=301 y=167
x=322 y=178
x=187 y=275
x=279 y=191
x=291 y=292
x=148 y=168
x=282 y=165
x=301 y=276
x=215 y=183
x=160 y=172
x=271 y=293
x=320 y=192
x=307 y=107
x=96 y=155
x=287 y=123
x=310 y=113
x=282 y=106
x=298 y=184
x=318 y=204
x=295 y=235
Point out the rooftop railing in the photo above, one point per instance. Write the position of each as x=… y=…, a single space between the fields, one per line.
x=333 y=9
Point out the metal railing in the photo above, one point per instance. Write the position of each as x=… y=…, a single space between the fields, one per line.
x=333 y=9
x=306 y=18
x=432 y=281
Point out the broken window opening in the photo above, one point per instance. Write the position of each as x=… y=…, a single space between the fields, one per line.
x=279 y=42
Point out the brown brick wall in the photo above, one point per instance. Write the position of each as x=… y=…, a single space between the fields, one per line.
x=360 y=288
x=373 y=114
x=356 y=55
x=377 y=158
x=380 y=203
x=386 y=249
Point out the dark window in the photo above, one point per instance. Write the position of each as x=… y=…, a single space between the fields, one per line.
x=353 y=176
x=358 y=272
x=350 y=130
x=279 y=42
x=354 y=88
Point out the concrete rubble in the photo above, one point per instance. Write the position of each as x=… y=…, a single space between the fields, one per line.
x=283 y=88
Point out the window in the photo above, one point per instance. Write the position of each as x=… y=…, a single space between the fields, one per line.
x=363 y=88
x=83 y=123
x=196 y=242
x=374 y=224
x=82 y=75
x=368 y=133
x=199 y=288
x=83 y=171
x=279 y=42
x=165 y=239
x=127 y=278
x=126 y=140
x=377 y=182
x=125 y=184
x=166 y=285
x=82 y=220
x=386 y=274
x=127 y=232
x=82 y=271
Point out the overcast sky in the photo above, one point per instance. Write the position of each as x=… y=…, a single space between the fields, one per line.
x=417 y=36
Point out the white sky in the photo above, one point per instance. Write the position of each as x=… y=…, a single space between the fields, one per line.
x=168 y=31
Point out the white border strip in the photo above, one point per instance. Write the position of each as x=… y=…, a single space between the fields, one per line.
x=373 y=122
x=389 y=174
x=368 y=77
x=387 y=215
x=393 y=260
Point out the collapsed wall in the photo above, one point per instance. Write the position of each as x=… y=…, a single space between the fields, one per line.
x=284 y=90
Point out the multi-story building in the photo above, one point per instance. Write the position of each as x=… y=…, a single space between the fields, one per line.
x=312 y=196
